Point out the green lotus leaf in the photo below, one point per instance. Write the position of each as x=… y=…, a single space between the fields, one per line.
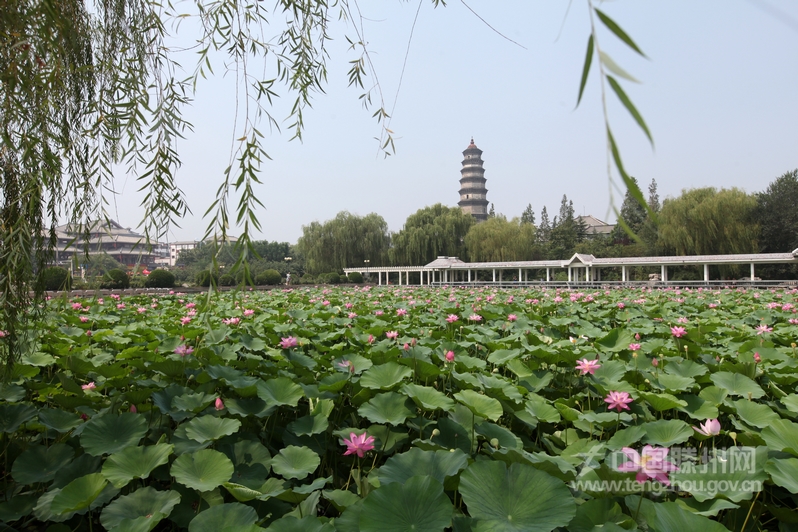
x=193 y=402
x=251 y=461
x=109 y=433
x=515 y=498
x=388 y=407
x=309 y=425
x=141 y=510
x=709 y=508
x=541 y=410
x=755 y=414
x=135 y=462
x=782 y=435
x=667 y=432
x=662 y=401
x=669 y=516
x=502 y=356
x=698 y=408
x=686 y=368
x=791 y=402
x=626 y=437
x=295 y=462
x=673 y=383
x=59 y=420
x=252 y=406
x=202 y=470
x=605 y=513
x=309 y=523
x=479 y=404
x=231 y=517
x=384 y=376
x=783 y=472
x=341 y=499
x=14 y=415
x=210 y=428
x=740 y=471
x=713 y=395
x=737 y=384
x=503 y=436
x=78 y=494
x=11 y=393
x=280 y=391
x=18 y=507
x=242 y=493
x=418 y=505
x=427 y=397
x=415 y=462
x=40 y=464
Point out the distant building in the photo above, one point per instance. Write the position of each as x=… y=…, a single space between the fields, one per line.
x=176 y=247
x=595 y=227
x=473 y=194
x=105 y=238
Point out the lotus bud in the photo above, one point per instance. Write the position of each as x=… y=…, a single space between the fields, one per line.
x=494 y=442
x=436 y=433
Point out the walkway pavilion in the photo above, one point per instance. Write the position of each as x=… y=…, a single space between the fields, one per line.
x=581 y=269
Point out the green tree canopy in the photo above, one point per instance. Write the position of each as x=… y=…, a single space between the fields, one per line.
x=528 y=216
x=566 y=231
x=346 y=240
x=430 y=232
x=498 y=239
x=705 y=221
x=777 y=213
x=633 y=215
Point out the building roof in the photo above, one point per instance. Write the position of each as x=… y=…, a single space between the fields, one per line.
x=596 y=226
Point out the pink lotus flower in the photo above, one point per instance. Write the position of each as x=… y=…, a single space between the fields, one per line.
x=232 y=321
x=634 y=347
x=83 y=319
x=133 y=409
x=654 y=362
x=651 y=464
x=3 y=334
x=763 y=329
x=475 y=317
x=141 y=310
x=621 y=304
x=191 y=305
x=512 y=317
x=288 y=343
x=637 y=336
x=587 y=366
x=88 y=333
x=347 y=365
x=452 y=318
x=678 y=332
x=89 y=386
x=371 y=339
x=793 y=321
x=185 y=320
x=219 y=404
x=618 y=400
x=352 y=315
x=120 y=306
x=378 y=313
x=450 y=356
x=757 y=358
x=401 y=312
x=77 y=306
x=392 y=335
x=115 y=296
x=359 y=445
x=711 y=427
x=183 y=350
x=249 y=312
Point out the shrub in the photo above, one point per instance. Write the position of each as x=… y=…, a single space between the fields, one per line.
x=115 y=279
x=160 y=279
x=226 y=280
x=137 y=281
x=330 y=278
x=204 y=278
x=307 y=279
x=355 y=277
x=56 y=278
x=270 y=277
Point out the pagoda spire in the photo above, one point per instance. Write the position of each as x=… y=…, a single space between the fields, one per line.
x=473 y=194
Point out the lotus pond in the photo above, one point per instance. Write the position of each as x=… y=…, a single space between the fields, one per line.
x=410 y=408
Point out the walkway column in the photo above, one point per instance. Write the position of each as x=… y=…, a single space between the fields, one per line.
x=752 y=271
x=623 y=274
x=494 y=276
x=519 y=275
x=469 y=276
x=663 y=273
x=569 y=274
x=548 y=275
x=706 y=273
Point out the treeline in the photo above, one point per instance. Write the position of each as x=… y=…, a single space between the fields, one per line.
x=701 y=221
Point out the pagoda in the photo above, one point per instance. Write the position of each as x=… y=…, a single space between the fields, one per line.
x=473 y=194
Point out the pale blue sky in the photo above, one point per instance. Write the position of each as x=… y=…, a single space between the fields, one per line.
x=718 y=93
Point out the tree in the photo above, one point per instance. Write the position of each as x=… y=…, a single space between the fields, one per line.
x=653 y=197
x=632 y=216
x=430 y=232
x=345 y=241
x=566 y=231
x=777 y=213
x=544 y=229
x=491 y=212
x=528 y=216
x=497 y=239
x=705 y=221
